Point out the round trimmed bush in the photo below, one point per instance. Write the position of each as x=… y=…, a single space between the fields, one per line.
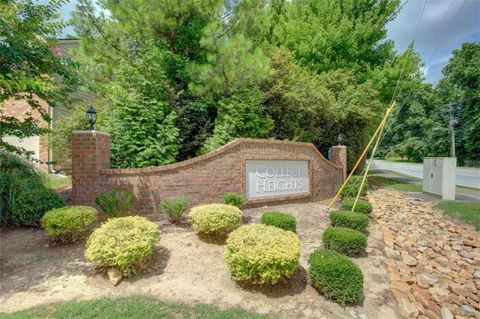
x=262 y=254
x=215 y=219
x=344 y=240
x=124 y=243
x=362 y=206
x=336 y=276
x=280 y=220
x=31 y=204
x=67 y=224
x=348 y=219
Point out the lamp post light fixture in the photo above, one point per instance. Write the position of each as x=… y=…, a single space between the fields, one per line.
x=339 y=139
x=92 y=117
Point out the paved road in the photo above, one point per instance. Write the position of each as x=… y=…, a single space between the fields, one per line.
x=465 y=176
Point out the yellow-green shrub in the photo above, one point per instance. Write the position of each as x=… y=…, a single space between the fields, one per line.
x=68 y=223
x=262 y=254
x=124 y=243
x=215 y=219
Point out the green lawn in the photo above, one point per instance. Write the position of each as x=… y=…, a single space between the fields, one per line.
x=394 y=184
x=469 y=212
x=57 y=181
x=131 y=308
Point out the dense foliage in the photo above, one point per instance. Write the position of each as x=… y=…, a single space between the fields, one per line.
x=353 y=187
x=336 y=276
x=280 y=220
x=348 y=219
x=234 y=199
x=362 y=206
x=115 y=202
x=24 y=196
x=262 y=254
x=124 y=243
x=215 y=219
x=30 y=68
x=174 y=207
x=344 y=240
x=67 y=224
x=181 y=78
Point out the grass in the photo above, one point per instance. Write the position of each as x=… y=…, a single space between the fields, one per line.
x=467 y=211
x=131 y=307
x=55 y=182
x=394 y=184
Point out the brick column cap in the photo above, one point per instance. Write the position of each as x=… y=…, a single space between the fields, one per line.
x=90 y=133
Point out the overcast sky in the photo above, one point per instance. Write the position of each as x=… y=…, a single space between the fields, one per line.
x=444 y=26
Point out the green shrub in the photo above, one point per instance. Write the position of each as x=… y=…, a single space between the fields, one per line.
x=336 y=276
x=18 y=177
x=115 y=202
x=234 y=199
x=344 y=240
x=353 y=186
x=174 y=207
x=262 y=254
x=348 y=219
x=67 y=224
x=362 y=206
x=215 y=219
x=280 y=220
x=31 y=204
x=124 y=243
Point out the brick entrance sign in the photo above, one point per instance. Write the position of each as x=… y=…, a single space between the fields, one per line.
x=265 y=171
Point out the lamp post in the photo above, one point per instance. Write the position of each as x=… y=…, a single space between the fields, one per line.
x=339 y=139
x=92 y=117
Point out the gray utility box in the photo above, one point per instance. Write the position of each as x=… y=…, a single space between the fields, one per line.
x=439 y=176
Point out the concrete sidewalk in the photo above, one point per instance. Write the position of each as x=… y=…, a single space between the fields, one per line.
x=462 y=194
x=464 y=176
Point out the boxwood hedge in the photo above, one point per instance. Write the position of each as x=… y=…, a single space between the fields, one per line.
x=348 y=219
x=362 y=206
x=336 y=277
x=344 y=240
x=280 y=220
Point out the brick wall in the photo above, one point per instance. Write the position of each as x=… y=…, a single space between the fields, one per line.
x=204 y=179
x=18 y=108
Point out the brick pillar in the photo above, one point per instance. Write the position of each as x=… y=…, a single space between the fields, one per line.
x=90 y=154
x=339 y=157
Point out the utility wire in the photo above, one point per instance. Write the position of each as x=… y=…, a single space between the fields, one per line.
x=405 y=63
x=408 y=96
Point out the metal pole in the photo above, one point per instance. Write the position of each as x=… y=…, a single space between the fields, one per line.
x=452 y=123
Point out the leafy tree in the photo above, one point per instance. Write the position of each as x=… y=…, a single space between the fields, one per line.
x=330 y=35
x=199 y=74
x=422 y=127
x=137 y=58
x=460 y=87
x=30 y=69
x=239 y=115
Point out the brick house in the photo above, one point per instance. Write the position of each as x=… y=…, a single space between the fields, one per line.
x=39 y=144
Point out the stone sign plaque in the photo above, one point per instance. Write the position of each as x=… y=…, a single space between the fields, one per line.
x=269 y=178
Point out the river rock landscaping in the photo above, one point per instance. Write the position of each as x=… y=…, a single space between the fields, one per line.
x=433 y=261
